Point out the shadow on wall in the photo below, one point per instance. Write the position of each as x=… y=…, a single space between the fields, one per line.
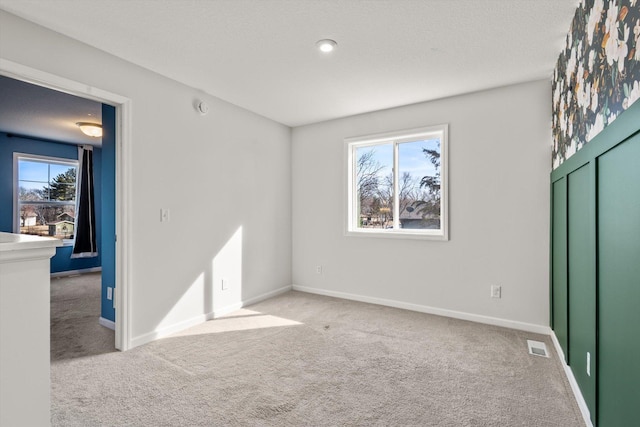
x=220 y=283
x=215 y=290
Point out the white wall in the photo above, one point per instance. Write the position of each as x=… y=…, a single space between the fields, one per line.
x=220 y=173
x=227 y=179
x=499 y=207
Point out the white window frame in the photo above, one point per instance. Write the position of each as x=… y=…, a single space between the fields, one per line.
x=16 y=190
x=395 y=138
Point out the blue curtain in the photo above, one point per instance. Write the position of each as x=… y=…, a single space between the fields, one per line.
x=85 y=224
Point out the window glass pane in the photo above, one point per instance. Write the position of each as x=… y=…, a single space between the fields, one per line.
x=46 y=220
x=56 y=169
x=33 y=171
x=374 y=186
x=63 y=183
x=419 y=184
x=30 y=191
x=46 y=197
x=33 y=178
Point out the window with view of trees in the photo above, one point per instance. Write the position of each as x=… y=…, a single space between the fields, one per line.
x=397 y=183
x=45 y=196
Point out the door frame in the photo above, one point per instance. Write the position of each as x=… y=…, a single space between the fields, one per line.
x=122 y=297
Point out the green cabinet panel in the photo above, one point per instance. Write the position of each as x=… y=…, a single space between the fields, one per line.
x=619 y=285
x=582 y=282
x=595 y=251
x=559 y=294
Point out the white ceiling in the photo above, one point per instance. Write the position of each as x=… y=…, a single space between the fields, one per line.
x=35 y=111
x=260 y=54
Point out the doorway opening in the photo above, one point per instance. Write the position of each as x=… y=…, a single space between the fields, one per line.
x=122 y=144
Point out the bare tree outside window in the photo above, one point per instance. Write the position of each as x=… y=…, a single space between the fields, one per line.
x=398 y=183
x=372 y=166
x=46 y=197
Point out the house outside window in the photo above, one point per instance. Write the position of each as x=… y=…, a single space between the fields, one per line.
x=45 y=196
x=397 y=184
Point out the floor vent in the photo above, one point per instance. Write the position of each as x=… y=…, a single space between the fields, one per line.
x=537 y=348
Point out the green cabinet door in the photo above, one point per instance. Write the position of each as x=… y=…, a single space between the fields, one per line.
x=582 y=282
x=619 y=285
x=559 y=265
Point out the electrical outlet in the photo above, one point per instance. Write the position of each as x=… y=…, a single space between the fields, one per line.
x=164 y=215
x=110 y=293
x=588 y=363
x=496 y=291
x=318 y=269
x=225 y=284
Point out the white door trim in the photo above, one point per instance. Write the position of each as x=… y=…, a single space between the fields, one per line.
x=123 y=178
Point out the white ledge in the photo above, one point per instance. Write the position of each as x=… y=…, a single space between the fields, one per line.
x=22 y=246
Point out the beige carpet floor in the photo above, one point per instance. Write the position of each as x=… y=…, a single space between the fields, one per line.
x=75 y=310
x=307 y=360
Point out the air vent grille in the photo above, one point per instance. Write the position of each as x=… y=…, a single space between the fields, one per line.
x=537 y=348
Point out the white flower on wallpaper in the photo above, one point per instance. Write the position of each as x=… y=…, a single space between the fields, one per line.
x=596 y=128
x=594 y=19
x=615 y=47
x=634 y=95
x=597 y=75
x=636 y=37
x=594 y=100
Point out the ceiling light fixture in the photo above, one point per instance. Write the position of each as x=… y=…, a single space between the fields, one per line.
x=91 y=129
x=326 y=45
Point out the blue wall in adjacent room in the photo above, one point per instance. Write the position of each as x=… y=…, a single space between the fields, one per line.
x=10 y=144
x=108 y=209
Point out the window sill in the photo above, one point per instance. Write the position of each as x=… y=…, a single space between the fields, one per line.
x=398 y=234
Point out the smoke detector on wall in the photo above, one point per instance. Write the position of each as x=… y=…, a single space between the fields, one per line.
x=202 y=107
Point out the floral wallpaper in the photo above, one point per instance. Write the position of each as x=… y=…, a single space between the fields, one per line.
x=598 y=73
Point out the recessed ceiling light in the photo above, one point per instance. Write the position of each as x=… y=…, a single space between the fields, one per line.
x=326 y=45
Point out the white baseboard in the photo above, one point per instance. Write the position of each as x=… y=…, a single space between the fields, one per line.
x=167 y=330
x=512 y=324
x=74 y=272
x=523 y=326
x=527 y=327
x=582 y=404
x=107 y=323
x=221 y=311
x=180 y=326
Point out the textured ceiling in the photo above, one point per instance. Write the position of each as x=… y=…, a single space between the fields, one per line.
x=260 y=54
